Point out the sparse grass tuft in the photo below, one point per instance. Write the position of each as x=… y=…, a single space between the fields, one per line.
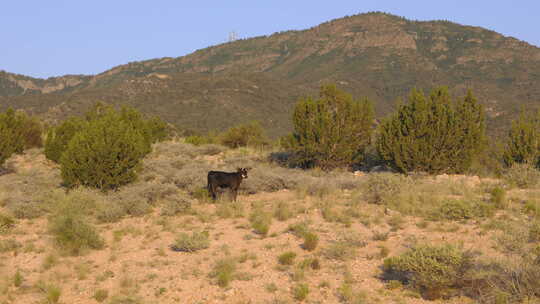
x=311 y=240
x=340 y=250
x=18 y=278
x=498 y=197
x=287 y=258
x=6 y=223
x=9 y=245
x=100 y=295
x=191 y=243
x=300 y=291
x=283 y=211
x=178 y=205
x=347 y=295
x=534 y=232
x=230 y=210
x=260 y=221
x=523 y=175
x=224 y=271
x=380 y=188
x=72 y=233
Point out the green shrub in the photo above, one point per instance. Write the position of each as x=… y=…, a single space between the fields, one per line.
x=31 y=130
x=453 y=209
x=380 y=188
x=522 y=175
x=6 y=222
x=287 y=258
x=232 y=209
x=175 y=206
x=534 y=232
x=300 y=291
x=311 y=240
x=331 y=131
x=59 y=137
x=191 y=243
x=199 y=140
x=250 y=134
x=498 y=197
x=433 y=134
x=71 y=230
x=104 y=155
x=26 y=210
x=260 y=222
x=18 y=279
x=100 y=295
x=11 y=137
x=523 y=144
x=340 y=250
x=299 y=229
x=432 y=270
x=224 y=271
x=9 y=245
x=283 y=211
x=456 y=210
x=347 y=295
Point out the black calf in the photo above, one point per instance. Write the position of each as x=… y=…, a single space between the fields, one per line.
x=230 y=180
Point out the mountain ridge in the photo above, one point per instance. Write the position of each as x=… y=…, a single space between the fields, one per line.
x=377 y=55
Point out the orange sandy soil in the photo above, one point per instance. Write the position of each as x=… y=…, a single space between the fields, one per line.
x=140 y=263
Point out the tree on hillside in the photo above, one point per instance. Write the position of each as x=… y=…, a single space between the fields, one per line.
x=330 y=131
x=433 y=134
x=524 y=140
x=18 y=132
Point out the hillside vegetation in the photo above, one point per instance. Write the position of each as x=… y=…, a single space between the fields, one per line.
x=376 y=55
x=124 y=215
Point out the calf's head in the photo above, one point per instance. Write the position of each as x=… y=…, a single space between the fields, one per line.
x=243 y=172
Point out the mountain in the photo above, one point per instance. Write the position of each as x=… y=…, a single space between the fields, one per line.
x=377 y=55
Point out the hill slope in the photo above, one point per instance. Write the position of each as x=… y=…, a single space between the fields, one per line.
x=376 y=55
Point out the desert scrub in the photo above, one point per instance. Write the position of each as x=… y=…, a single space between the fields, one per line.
x=339 y=250
x=260 y=221
x=522 y=175
x=100 y=295
x=432 y=270
x=176 y=205
x=498 y=197
x=534 y=232
x=224 y=271
x=191 y=243
x=381 y=188
x=51 y=292
x=105 y=154
x=300 y=291
x=9 y=245
x=232 y=209
x=283 y=211
x=311 y=240
x=6 y=223
x=26 y=209
x=453 y=209
x=58 y=137
x=287 y=258
x=72 y=231
x=347 y=295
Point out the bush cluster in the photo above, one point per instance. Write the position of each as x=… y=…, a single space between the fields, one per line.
x=432 y=270
x=331 y=131
x=523 y=145
x=104 y=149
x=18 y=132
x=433 y=134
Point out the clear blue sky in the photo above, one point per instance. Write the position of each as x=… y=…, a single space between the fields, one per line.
x=43 y=38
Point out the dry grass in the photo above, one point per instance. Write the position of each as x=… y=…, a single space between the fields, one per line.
x=332 y=223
